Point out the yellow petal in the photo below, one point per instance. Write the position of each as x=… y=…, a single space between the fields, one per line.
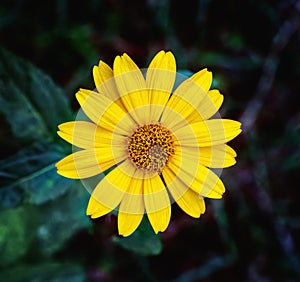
x=128 y=223
x=192 y=100
x=207 y=184
x=160 y=220
x=86 y=135
x=105 y=83
x=181 y=162
x=191 y=203
x=212 y=105
x=102 y=74
x=110 y=190
x=157 y=203
x=81 y=134
x=187 y=200
x=182 y=104
x=104 y=112
x=203 y=78
x=128 y=76
x=132 y=206
x=155 y=194
x=89 y=162
x=130 y=81
x=181 y=159
x=133 y=200
x=207 y=107
x=208 y=133
x=160 y=78
x=96 y=209
x=194 y=176
x=218 y=156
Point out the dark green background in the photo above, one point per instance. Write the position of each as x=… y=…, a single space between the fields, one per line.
x=47 y=52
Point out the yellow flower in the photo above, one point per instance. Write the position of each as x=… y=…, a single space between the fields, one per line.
x=152 y=136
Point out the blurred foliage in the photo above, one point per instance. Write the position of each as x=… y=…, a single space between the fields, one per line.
x=47 y=271
x=29 y=108
x=144 y=241
x=252 y=47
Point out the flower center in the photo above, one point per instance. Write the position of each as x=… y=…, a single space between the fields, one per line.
x=151 y=146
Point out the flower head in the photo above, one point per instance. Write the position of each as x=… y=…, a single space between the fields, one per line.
x=154 y=137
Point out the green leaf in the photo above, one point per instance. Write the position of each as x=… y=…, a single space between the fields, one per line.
x=30 y=176
x=48 y=226
x=9 y=197
x=15 y=234
x=43 y=272
x=60 y=219
x=33 y=107
x=292 y=162
x=143 y=241
x=30 y=101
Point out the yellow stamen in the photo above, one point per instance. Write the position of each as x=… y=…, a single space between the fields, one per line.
x=151 y=146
